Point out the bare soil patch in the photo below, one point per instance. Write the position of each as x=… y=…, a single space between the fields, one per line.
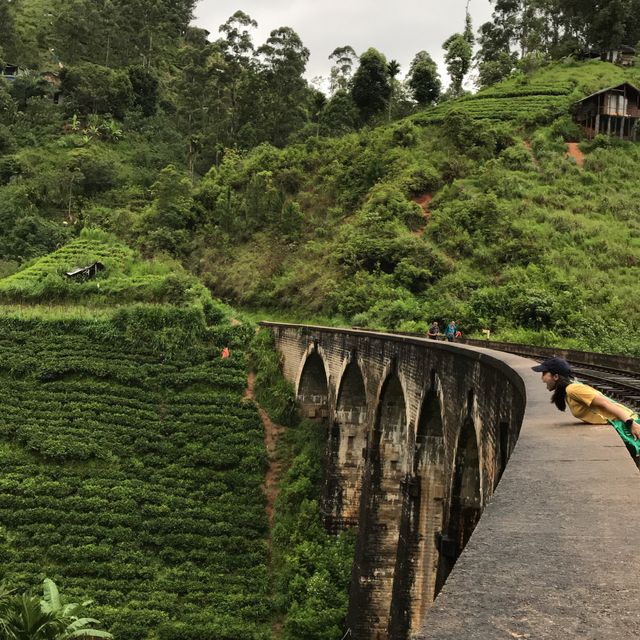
x=573 y=151
x=424 y=201
x=528 y=147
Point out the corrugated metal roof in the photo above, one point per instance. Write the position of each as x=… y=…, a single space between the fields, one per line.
x=617 y=86
x=97 y=266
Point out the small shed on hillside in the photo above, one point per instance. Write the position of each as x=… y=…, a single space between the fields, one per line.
x=624 y=55
x=613 y=111
x=85 y=273
x=10 y=71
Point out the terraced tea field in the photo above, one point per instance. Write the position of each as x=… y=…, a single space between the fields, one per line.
x=528 y=102
x=132 y=468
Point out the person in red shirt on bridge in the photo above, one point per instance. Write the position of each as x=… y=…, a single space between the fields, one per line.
x=588 y=404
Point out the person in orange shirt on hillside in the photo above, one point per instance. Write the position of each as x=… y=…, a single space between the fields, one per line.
x=588 y=404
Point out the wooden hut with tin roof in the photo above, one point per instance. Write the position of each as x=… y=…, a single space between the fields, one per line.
x=624 y=55
x=613 y=112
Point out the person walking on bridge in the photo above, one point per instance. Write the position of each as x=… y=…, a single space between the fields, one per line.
x=450 y=331
x=588 y=404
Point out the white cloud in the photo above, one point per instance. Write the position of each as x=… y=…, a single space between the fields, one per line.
x=398 y=29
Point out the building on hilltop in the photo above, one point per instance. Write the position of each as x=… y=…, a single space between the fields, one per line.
x=613 y=112
x=624 y=55
x=10 y=72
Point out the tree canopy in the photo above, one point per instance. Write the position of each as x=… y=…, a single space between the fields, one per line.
x=371 y=88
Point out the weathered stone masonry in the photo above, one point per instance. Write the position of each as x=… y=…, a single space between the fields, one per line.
x=418 y=436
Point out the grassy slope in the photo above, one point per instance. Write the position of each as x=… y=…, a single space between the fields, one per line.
x=521 y=241
x=132 y=468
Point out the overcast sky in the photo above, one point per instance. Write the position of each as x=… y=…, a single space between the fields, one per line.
x=399 y=28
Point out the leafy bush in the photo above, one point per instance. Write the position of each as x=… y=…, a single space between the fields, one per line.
x=272 y=391
x=98 y=173
x=567 y=129
x=89 y=88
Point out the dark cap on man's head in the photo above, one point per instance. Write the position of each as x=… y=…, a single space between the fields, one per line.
x=555 y=365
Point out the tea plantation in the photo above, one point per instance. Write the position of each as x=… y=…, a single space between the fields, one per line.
x=131 y=466
x=527 y=103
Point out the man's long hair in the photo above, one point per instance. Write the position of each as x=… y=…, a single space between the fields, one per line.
x=559 y=397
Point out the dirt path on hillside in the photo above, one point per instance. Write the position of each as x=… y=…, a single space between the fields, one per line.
x=423 y=201
x=529 y=148
x=573 y=151
x=272 y=432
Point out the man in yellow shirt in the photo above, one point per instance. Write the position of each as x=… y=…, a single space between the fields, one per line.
x=588 y=404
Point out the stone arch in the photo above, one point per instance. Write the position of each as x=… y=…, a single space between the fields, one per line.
x=429 y=467
x=347 y=446
x=502 y=451
x=465 y=504
x=313 y=388
x=422 y=519
x=380 y=515
x=391 y=414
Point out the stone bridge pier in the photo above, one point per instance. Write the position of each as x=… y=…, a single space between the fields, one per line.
x=418 y=436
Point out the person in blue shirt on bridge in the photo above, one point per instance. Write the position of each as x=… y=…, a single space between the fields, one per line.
x=450 y=331
x=588 y=404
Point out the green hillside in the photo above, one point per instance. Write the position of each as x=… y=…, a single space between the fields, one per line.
x=200 y=169
x=517 y=238
x=514 y=236
x=132 y=467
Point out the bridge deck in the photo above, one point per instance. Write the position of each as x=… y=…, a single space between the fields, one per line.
x=555 y=554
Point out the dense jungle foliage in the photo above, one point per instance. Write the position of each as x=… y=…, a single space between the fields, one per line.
x=175 y=143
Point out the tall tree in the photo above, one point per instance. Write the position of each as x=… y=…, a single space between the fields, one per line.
x=608 y=27
x=238 y=44
x=237 y=74
x=340 y=115
x=77 y=32
x=288 y=98
x=468 y=27
x=494 y=58
x=344 y=59
x=393 y=69
x=195 y=85
x=370 y=87
x=424 y=79
x=458 y=60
